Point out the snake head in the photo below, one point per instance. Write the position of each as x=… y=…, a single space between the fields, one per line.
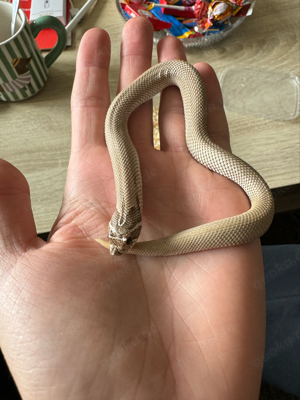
x=122 y=239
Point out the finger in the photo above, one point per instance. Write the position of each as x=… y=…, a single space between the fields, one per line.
x=171 y=117
x=90 y=95
x=17 y=227
x=216 y=119
x=136 y=55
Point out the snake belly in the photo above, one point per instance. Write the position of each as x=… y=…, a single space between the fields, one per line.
x=126 y=222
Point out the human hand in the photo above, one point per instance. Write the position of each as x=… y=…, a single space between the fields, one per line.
x=77 y=323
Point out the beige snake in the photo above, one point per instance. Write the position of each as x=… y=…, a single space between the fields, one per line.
x=126 y=222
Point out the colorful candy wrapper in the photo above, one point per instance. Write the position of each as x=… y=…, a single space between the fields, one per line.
x=213 y=17
x=177 y=29
x=181 y=11
x=126 y=14
x=220 y=10
x=136 y=10
x=195 y=35
x=190 y=23
x=198 y=10
x=133 y=2
x=181 y=2
x=201 y=9
x=237 y=2
x=216 y=28
x=210 y=29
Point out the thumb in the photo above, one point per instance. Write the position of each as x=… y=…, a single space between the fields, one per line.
x=17 y=227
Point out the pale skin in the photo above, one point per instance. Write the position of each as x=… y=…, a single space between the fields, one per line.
x=77 y=323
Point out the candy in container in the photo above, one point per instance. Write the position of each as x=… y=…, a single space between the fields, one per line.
x=136 y=10
x=201 y=9
x=210 y=20
x=216 y=16
x=177 y=29
x=179 y=2
x=220 y=10
x=190 y=23
x=176 y=10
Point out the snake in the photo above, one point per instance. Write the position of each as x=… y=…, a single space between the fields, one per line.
x=126 y=222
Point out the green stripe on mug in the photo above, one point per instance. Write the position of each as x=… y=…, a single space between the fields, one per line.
x=42 y=60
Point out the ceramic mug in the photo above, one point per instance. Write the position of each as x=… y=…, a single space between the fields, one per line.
x=23 y=69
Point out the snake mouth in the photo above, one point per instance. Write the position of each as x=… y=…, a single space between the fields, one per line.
x=114 y=251
x=120 y=244
x=122 y=239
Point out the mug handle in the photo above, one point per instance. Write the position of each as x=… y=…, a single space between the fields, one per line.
x=50 y=22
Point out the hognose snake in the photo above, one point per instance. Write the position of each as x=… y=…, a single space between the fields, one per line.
x=126 y=222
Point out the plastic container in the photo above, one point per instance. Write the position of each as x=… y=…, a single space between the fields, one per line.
x=264 y=94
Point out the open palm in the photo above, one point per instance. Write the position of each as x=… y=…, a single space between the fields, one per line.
x=77 y=323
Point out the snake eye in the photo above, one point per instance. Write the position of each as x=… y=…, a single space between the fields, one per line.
x=129 y=241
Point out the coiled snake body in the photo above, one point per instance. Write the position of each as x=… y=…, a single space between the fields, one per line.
x=125 y=224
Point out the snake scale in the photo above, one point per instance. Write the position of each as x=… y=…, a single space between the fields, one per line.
x=126 y=222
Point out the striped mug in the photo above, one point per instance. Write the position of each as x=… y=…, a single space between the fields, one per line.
x=23 y=69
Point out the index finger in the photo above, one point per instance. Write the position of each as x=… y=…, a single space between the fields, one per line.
x=90 y=95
